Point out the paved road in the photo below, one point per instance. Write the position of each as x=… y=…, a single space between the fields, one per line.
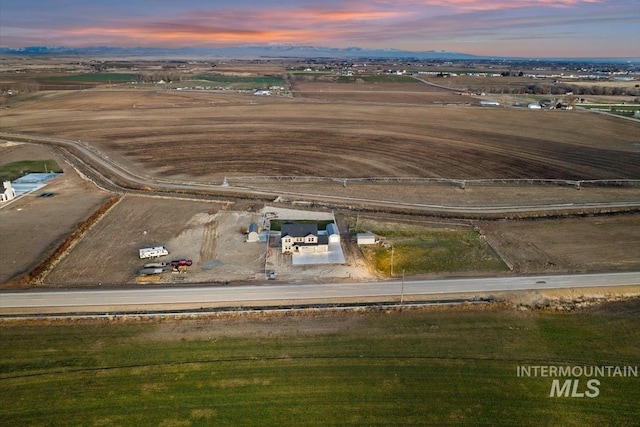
x=267 y=294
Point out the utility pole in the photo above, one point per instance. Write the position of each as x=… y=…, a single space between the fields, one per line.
x=391 y=261
x=402 y=289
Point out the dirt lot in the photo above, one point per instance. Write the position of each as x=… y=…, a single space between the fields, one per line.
x=32 y=227
x=208 y=233
x=568 y=245
x=388 y=93
x=211 y=235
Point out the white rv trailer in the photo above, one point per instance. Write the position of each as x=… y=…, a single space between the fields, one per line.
x=153 y=252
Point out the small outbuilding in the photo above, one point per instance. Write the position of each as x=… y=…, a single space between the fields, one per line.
x=332 y=233
x=253 y=235
x=9 y=192
x=366 y=238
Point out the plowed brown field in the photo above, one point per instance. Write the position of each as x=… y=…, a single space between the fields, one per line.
x=208 y=136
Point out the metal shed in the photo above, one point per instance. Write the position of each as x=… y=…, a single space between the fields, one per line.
x=253 y=235
x=366 y=238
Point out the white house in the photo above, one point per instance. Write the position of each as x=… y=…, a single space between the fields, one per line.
x=9 y=192
x=302 y=238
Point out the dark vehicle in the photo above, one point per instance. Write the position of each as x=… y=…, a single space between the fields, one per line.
x=181 y=262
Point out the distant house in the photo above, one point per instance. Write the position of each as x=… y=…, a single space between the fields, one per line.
x=302 y=238
x=262 y=93
x=253 y=235
x=366 y=238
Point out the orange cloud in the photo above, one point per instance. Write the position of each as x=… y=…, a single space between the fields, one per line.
x=186 y=35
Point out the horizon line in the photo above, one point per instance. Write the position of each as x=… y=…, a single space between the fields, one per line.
x=344 y=49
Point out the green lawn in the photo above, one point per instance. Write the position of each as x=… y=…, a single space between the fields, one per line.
x=400 y=368
x=11 y=171
x=422 y=250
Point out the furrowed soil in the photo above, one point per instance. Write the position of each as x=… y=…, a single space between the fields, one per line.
x=209 y=136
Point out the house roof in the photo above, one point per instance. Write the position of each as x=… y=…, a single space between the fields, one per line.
x=298 y=230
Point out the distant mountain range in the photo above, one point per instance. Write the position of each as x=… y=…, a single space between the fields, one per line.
x=271 y=51
x=242 y=51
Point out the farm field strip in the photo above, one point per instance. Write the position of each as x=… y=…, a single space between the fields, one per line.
x=414 y=141
x=194 y=185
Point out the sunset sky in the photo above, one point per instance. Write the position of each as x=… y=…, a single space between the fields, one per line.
x=525 y=28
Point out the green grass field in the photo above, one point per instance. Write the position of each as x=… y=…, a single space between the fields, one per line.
x=11 y=171
x=94 y=78
x=423 y=250
x=438 y=367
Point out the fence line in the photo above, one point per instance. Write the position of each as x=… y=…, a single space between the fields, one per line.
x=421 y=180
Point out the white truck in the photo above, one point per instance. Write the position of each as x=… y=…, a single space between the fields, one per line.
x=153 y=252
